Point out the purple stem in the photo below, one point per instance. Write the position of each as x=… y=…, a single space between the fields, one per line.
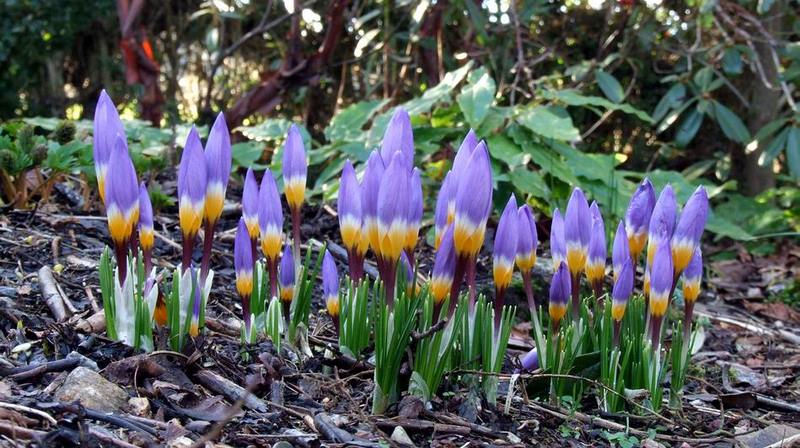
x=272 y=267
x=473 y=290
x=455 y=288
x=576 y=296
x=208 y=240
x=499 y=298
x=296 y=237
x=528 y=285
x=121 y=252
x=188 y=246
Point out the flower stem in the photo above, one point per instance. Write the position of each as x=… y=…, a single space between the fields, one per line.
x=208 y=240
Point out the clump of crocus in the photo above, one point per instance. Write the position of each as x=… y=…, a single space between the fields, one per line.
x=350 y=221
x=295 y=170
x=286 y=280
x=270 y=221
x=637 y=218
x=505 y=252
x=527 y=242
x=577 y=233
x=192 y=182
x=596 y=257
x=393 y=204
x=330 y=288
x=560 y=291
x=244 y=265
x=218 y=168
x=107 y=128
x=473 y=205
x=122 y=203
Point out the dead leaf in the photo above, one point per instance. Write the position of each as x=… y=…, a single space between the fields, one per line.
x=211 y=409
x=774 y=310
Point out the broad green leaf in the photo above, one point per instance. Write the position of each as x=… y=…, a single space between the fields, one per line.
x=574 y=98
x=347 y=124
x=672 y=99
x=246 y=154
x=732 y=61
x=732 y=126
x=793 y=152
x=529 y=182
x=611 y=88
x=688 y=128
x=502 y=148
x=549 y=122
x=272 y=130
x=477 y=97
x=774 y=147
x=768 y=129
x=702 y=78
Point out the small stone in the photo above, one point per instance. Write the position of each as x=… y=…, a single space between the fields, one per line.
x=92 y=391
x=180 y=442
x=400 y=436
x=83 y=361
x=139 y=406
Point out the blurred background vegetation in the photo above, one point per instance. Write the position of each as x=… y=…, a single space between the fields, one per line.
x=591 y=93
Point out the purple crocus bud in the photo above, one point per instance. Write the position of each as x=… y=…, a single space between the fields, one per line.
x=443 y=267
x=146 y=233
x=218 y=168
x=623 y=288
x=473 y=203
x=530 y=361
x=596 y=259
x=295 y=168
x=107 y=127
x=415 y=208
x=243 y=260
x=442 y=215
x=689 y=229
x=286 y=274
x=405 y=264
x=330 y=284
x=398 y=137
x=692 y=276
x=393 y=203
x=250 y=204
x=577 y=231
x=558 y=245
x=463 y=156
x=637 y=217
x=270 y=217
x=349 y=208
x=620 y=252
x=192 y=185
x=370 y=186
x=560 y=291
x=661 y=272
x=527 y=240
x=662 y=222
x=505 y=245
x=122 y=194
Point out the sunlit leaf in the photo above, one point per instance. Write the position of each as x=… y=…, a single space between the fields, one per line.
x=611 y=88
x=732 y=126
x=477 y=97
x=550 y=122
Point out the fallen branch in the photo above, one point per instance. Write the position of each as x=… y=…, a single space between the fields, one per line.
x=52 y=293
x=18 y=432
x=231 y=390
x=25 y=373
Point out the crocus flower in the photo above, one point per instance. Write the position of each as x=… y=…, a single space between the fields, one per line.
x=442 y=216
x=218 y=168
x=505 y=246
x=146 y=233
x=270 y=217
x=443 y=267
x=527 y=240
x=393 y=202
x=295 y=168
x=191 y=192
x=243 y=265
x=330 y=286
x=661 y=277
x=577 y=231
x=473 y=203
x=398 y=136
x=620 y=252
x=286 y=275
x=623 y=288
x=558 y=245
x=370 y=186
x=637 y=217
x=530 y=361
x=107 y=127
x=689 y=229
x=560 y=291
x=250 y=204
x=197 y=303
x=462 y=159
x=596 y=257
x=692 y=276
x=349 y=207
x=415 y=206
x=411 y=282
x=646 y=284
x=122 y=195
x=662 y=222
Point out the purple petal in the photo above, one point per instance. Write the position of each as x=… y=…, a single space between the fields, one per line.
x=192 y=174
x=530 y=361
x=620 y=253
x=578 y=221
x=370 y=185
x=294 y=155
x=286 y=268
x=474 y=195
x=560 y=286
x=349 y=201
x=695 y=268
x=107 y=127
x=623 y=286
x=122 y=188
x=446 y=195
x=399 y=137
x=597 y=243
x=693 y=218
x=505 y=241
x=406 y=264
x=558 y=245
x=393 y=198
x=445 y=263
x=330 y=276
x=662 y=222
x=242 y=250
x=218 y=153
x=640 y=207
x=269 y=203
x=463 y=155
x=415 y=203
x=145 y=208
x=250 y=195
x=661 y=273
